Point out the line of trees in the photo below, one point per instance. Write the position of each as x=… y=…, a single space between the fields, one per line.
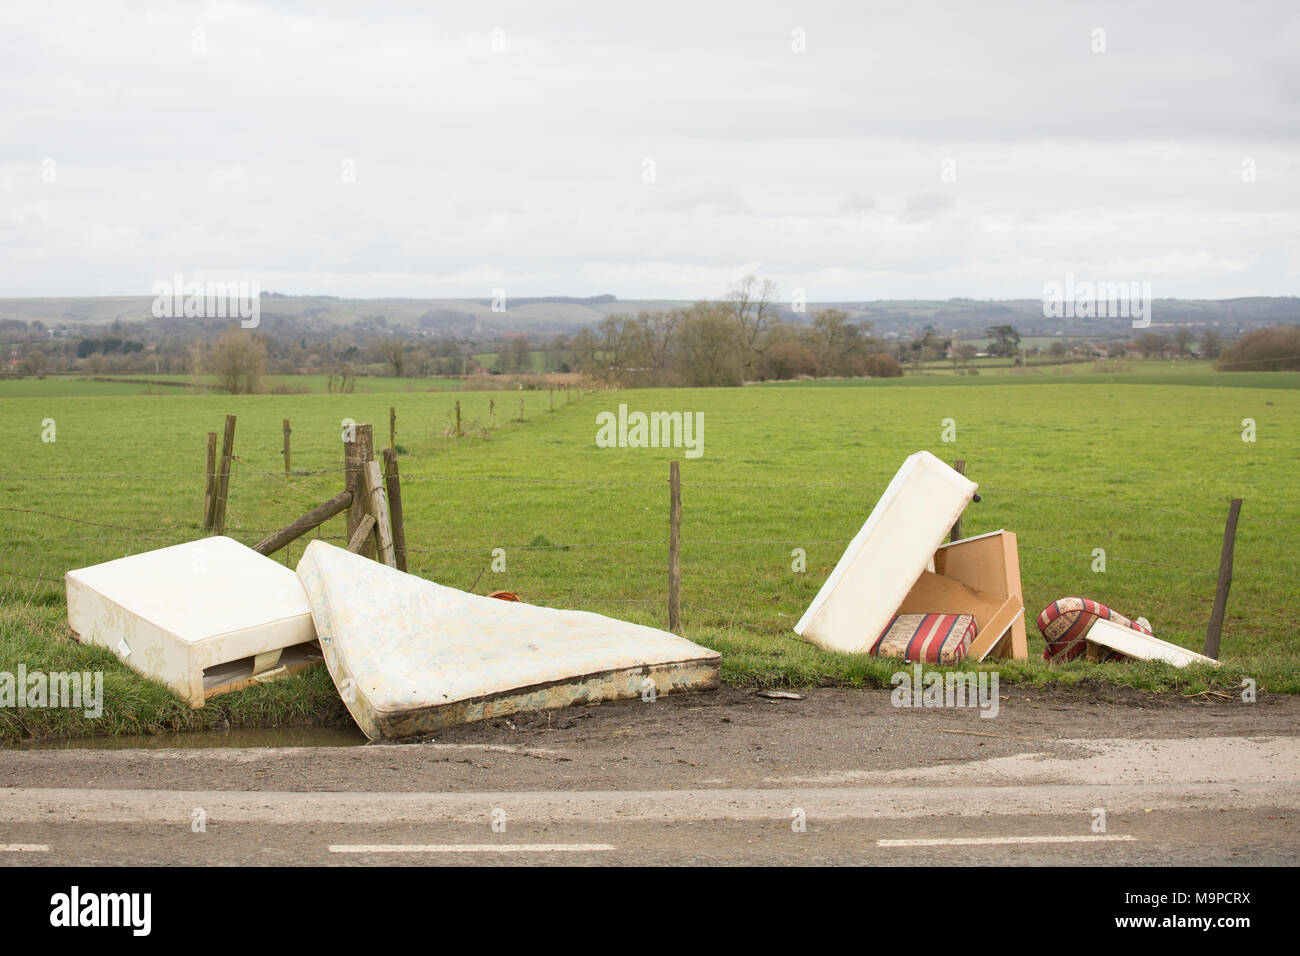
x=1274 y=349
x=107 y=346
x=741 y=338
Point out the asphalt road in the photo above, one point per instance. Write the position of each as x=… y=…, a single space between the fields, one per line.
x=838 y=778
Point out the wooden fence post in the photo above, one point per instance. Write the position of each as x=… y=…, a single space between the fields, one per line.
x=393 y=485
x=287 y=432
x=223 y=479
x=210 y=486
x=379 y=509
x=958 y=466
x=552 y=399
x=674 y=547
x=521 y=409
x=458 y=418
x=358 y=451
x=492 y=413
x=1215 y=629
x=392 y=426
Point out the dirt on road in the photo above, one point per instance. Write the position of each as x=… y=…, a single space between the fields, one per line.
x=729 y=738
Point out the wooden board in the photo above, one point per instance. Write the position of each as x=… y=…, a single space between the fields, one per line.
x=223 y=678
x=1144 y=647
x=990 y=563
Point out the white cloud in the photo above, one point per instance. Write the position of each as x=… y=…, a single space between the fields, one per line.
x=523 y=168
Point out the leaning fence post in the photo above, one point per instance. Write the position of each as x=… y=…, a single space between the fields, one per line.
x=312 y=519
x=222 y=496
x=393 y=485
x=958 y=466
x=223 y=479
x=1215 y=629
x=287 y=431
x=358 y=539
x=209 y=490
x=358 y=450
x=379 y=508
x=674 y=547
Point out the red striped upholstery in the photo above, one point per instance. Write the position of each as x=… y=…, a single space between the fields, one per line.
x=1065 y=623
x=929 y=638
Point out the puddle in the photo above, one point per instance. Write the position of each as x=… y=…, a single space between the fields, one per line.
x=206 y=739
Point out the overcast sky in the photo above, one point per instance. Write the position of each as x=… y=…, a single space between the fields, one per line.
x=910 y=150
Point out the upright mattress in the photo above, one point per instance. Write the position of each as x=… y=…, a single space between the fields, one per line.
x=410 y=656
x=887 y=556
x=173 y=613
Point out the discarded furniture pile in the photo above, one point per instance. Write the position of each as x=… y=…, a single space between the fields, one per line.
x=410 y=656
x=900 y=591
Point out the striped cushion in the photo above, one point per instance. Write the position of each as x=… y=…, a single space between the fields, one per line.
x=1065 y=623
x=931 y=638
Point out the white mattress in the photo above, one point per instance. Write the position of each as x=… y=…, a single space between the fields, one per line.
x=409 y=655
x=886 y=557
x=171 y=613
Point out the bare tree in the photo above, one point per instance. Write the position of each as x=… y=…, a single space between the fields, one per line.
x=753 y=303
x=837 y=342
x=619 y=340
x=710 y=347
x=1151 y=344
x=238 y=361
x=33 y=362
x=393 y=351
x=1211 y=344
x=657 y=330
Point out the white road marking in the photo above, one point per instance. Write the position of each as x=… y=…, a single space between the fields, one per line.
x=43 y=804
x=469 y=847
x=24 y=848
x=1000 y=841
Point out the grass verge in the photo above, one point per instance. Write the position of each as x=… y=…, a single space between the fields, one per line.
x=36 y=635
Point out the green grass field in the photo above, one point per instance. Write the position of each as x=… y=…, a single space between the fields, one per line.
x=1139 y=464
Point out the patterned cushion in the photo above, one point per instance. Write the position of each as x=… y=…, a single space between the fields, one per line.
x=931 y=638
x=1065 y=623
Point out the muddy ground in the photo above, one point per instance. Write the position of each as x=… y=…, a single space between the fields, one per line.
x=727 y=738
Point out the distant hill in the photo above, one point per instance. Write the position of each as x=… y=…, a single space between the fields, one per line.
x=969 y=316
x=475 y=318
x=468 y=317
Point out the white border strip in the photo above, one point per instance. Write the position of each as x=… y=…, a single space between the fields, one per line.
x=24 y=848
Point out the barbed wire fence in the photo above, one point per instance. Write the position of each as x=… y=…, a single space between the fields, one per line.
x=263 y=489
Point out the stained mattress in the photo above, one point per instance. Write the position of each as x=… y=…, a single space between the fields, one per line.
x=410 y=656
